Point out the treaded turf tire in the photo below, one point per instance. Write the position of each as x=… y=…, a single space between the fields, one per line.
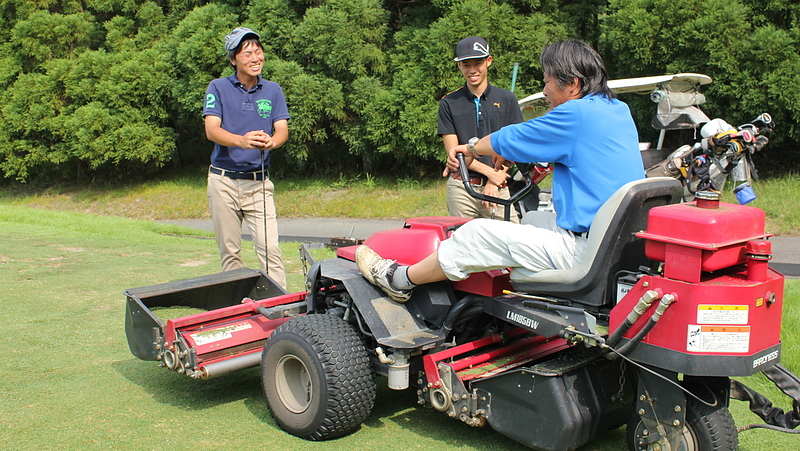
x=317 y=377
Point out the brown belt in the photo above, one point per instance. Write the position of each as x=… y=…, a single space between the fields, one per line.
x=480 y=181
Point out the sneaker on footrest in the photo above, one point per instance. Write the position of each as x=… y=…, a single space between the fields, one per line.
x=378 y=270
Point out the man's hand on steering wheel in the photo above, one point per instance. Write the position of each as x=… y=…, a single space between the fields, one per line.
x=452 y=161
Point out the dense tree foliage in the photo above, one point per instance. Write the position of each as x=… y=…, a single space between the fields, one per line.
x=754 y=61
x=92 y=88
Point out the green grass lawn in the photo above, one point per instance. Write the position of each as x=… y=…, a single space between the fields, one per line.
x=183 y=196
x=69 y=381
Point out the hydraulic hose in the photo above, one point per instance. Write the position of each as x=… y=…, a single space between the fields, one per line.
x=455 y=312
x=666 y=301
x=467 y=315
x=775 y=417
x=637 y=311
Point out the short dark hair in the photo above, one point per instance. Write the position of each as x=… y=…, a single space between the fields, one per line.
x=235 y=51
x=573 y=59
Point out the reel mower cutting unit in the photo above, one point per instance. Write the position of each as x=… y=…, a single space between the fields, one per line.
x=241 y=308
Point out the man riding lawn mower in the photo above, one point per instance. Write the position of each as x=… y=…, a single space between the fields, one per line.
x=639 y=315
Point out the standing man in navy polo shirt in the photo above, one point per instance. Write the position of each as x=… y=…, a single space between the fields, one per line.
x=246 y=117
x=470 y=113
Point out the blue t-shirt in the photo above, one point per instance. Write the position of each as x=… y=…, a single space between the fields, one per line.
x=594 y=146
x=242 y=111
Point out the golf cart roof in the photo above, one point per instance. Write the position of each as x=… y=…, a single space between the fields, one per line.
x=535 y=105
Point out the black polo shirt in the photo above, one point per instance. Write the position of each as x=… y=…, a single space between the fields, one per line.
x=459 y=116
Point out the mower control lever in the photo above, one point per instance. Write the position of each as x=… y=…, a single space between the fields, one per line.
x=462 y=168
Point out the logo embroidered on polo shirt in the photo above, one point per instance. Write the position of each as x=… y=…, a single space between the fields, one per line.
x=211 y=101
x=264 y=107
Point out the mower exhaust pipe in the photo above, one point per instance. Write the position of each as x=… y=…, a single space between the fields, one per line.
x=228 y=366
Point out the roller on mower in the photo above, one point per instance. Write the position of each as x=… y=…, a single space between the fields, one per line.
x=671 y=301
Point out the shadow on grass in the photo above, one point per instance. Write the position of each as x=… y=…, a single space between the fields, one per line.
x=397 y=412
x=181 y=391
x=394 y=411
x=402 y=410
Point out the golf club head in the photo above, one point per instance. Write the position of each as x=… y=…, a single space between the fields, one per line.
x=764 y=120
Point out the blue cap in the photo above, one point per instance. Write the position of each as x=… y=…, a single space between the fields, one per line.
x=235 y=37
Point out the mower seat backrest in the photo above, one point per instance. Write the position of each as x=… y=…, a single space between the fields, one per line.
x=611 y=246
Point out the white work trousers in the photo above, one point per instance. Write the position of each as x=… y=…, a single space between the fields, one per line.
x=532 y=246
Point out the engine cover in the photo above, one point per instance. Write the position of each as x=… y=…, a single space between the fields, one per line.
x=691 y=238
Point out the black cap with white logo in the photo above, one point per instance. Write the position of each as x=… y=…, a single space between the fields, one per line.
x=471 y=47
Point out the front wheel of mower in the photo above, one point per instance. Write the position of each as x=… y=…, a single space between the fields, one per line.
x=708 y=428
x=317 y=377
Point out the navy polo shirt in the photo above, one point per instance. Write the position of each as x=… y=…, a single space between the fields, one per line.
x=242 y=111
x=459 y=116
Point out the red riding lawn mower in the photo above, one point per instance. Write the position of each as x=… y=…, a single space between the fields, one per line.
x=671 y=301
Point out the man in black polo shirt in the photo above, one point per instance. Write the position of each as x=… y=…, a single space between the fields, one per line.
x=474 y=111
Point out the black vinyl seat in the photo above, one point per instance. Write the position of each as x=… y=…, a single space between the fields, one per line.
x=611 y=246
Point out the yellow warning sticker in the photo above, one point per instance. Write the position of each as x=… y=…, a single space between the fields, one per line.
x=722 y=314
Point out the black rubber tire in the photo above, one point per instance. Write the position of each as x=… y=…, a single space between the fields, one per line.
x=708 y=428
x=317 y=377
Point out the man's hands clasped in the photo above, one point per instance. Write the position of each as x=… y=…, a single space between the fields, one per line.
x=256 y=139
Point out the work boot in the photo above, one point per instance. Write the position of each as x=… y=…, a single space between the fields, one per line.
x=378 y=271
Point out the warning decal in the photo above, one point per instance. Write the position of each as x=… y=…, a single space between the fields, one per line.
x=223 y=333
x=722 y=314
x=718 y=338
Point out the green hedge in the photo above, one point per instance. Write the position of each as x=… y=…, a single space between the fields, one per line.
x=93 y=88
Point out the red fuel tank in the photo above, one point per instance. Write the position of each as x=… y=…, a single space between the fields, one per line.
x=417 y=239
x=701 y=236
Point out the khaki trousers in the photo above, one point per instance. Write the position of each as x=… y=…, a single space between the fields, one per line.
x=236 y=202
x=460 y=203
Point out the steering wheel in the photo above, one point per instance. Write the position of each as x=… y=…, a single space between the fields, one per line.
x=462 y=169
